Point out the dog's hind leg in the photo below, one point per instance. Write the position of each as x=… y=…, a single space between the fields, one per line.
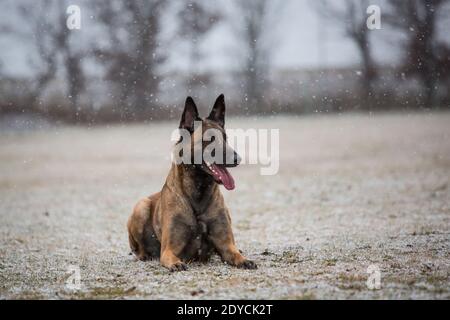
x=137 y=249
x=134 y=246
x=143 y=241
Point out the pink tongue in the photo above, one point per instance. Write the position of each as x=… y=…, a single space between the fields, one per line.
x=224 y=176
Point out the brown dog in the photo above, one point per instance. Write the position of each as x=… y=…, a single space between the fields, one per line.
x=188 y=220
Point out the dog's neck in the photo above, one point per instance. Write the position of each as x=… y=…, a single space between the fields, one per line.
x=197 y=186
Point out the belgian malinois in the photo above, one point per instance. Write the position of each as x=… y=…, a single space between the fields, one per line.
x=188 y=220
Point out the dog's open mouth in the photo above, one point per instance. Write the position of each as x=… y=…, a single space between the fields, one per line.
x=221 y=175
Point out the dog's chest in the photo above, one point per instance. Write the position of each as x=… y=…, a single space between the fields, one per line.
x=199 y=247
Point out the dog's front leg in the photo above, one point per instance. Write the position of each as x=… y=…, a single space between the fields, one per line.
x=171 y=261
x=169 y=258
x=173 y=240
x=221 y=235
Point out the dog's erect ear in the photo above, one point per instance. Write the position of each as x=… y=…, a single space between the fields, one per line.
x=190 y=114
x=218 y=111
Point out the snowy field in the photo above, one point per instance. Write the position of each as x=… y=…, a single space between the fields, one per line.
x=352 y=191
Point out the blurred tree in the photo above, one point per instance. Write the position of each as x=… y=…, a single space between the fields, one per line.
x=40 y=32
x=196 y=21
x=72 y=58
x=352 y=16
x=131 y=56
x=46 y=27
x=426 y=56
x=258 y=51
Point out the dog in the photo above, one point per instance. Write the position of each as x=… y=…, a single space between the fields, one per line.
x=188 y=220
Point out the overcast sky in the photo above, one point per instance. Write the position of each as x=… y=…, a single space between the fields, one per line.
x=297 y=28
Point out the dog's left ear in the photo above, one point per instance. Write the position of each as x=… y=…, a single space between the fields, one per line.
x=190 y=115
x=218 y=111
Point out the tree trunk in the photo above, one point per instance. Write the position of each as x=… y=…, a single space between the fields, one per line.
x=368 y=70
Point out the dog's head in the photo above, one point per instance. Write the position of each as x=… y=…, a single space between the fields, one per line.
x=209 y=139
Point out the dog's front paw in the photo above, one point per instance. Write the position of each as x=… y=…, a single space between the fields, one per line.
x=247 y=264
x=177 y=266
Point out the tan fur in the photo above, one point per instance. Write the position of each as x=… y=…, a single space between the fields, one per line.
x=169 y=217
x=186 y=221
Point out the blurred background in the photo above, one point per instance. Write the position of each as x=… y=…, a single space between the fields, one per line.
x=138 y=60
x=363 y=115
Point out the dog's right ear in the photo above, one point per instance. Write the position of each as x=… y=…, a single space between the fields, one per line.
x=190 y=114
x=218 y=111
